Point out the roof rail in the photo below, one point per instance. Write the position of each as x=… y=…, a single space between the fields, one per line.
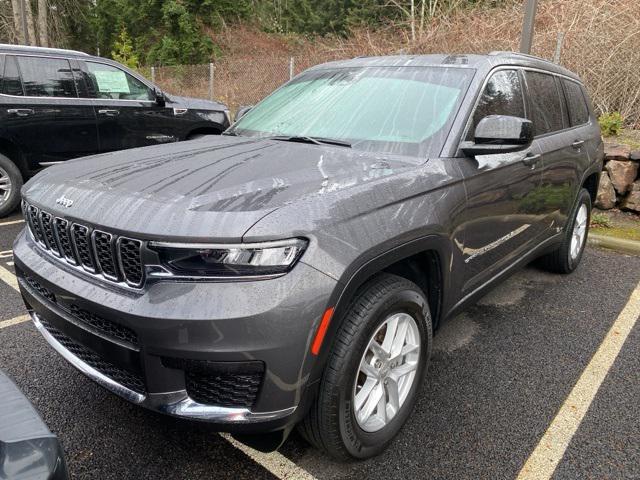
x=498 y=53
x=28 y=48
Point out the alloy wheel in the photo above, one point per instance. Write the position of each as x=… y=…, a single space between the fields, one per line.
x=387 y=372
x=579 y=232
x=5 y=186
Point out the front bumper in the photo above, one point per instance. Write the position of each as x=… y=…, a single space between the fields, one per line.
x=169 y=324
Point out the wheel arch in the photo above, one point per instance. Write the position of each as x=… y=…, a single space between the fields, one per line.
x=590 y=183
x=203 y=130
x=10 y=150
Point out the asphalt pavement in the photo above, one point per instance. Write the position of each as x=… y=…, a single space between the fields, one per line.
x=499 y=374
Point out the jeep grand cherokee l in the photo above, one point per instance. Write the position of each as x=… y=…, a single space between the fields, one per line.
x=61 y=104
x=293 y=270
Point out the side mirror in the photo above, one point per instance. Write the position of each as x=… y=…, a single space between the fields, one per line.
x=161 y=100
x=499 y=134
x=242 y=111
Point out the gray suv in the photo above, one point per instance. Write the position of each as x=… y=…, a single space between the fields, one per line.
x=293 y=271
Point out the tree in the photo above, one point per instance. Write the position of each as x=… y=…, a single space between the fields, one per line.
x=123 y=50
x=43 y=23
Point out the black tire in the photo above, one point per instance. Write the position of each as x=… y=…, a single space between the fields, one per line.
x=331 y=424
x=9 y=169
x=561 y=260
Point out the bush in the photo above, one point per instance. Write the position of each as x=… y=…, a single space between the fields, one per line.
x=600 y=220
x=611 y=123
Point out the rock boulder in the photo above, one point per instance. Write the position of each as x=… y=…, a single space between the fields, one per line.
x=632 y=201
x=606 y=198
x=622 y=174
x=614 y=151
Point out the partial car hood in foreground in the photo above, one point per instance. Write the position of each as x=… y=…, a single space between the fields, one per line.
x=210 y=189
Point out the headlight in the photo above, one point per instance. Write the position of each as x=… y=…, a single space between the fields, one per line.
x=240 y=260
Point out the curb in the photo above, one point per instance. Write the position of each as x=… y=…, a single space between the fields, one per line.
x=631 y=247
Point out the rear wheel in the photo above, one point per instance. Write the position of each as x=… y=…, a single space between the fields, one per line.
x=374 y=371
x=566 y=258
x=10 y=185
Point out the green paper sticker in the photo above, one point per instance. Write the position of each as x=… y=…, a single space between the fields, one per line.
x=112 y=82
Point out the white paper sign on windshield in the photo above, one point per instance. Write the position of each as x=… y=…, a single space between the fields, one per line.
x=112 y=82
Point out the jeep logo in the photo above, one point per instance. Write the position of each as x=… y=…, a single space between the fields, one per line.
x=65 y=202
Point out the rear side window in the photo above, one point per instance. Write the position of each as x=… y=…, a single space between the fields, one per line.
x=501 y=96
x=11 y=84
x=578 y=110
x=547 y=108
x=47 y=77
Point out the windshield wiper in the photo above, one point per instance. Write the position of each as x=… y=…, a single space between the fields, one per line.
x=231 y=134
x=313 y=140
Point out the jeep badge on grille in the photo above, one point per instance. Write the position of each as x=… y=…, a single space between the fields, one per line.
x=65 y=202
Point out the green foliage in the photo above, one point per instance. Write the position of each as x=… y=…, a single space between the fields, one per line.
x=600 y=220
x=545 y=198
x=611 y=123
x=123 y=50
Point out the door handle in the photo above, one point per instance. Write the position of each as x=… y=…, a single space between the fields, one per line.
x=577 y=144
x=21 y=112
x=109 y=113
x=531 y=160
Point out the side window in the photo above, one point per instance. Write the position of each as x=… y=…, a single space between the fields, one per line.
x=113 y=83
x=11 y=84
x=47 y=77
x=501 y=96
x=546 y=105
x=578 y=111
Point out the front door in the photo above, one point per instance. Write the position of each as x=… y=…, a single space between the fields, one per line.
x=501 y=219
x=126 y=108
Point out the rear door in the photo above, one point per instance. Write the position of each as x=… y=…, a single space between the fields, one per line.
x=45 y=116
x=501 y=220
x=127 y=112
x=558 y=143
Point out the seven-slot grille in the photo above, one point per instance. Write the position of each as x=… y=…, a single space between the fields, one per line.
x=118 y=259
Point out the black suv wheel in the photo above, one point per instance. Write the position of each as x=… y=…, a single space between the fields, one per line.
x=10 y=185
x=374 y=372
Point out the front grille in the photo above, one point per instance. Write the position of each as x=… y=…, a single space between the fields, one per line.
x=80 y=235
x=225 y=384
x=94 y=322
x=39 y=289
x=114 y=258
x=128 y=379
x=103 y=325
x=103 y=243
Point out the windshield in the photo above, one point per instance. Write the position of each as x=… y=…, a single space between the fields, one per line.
x=402 y=110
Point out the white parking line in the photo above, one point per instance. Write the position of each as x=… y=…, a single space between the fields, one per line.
x=14 y=321
x=11 y=222
x=9 y=278
x=549 y=452
x=276 y=463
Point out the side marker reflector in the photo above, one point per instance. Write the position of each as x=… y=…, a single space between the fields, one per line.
x=322 y=331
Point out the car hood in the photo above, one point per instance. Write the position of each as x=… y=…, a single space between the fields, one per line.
x=209 y=189
x=197 y=103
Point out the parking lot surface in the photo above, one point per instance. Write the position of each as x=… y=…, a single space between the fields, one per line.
x=499 y=375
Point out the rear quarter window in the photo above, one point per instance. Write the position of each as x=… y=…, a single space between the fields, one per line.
x=547 y=107
x=576 y=103
x=11 y=84
x=47 y=77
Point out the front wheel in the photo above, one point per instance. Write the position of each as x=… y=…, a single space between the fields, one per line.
x=566 y=258
x=374 y=371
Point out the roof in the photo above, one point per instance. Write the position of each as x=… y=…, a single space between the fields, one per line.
x=50 y=51
x=474 y=61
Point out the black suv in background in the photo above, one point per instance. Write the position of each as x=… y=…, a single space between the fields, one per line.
x=61 y=104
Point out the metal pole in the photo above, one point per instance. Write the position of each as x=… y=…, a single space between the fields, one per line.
x=23 y=14
x=527 y=26
x=153 y=74
x=211 y=69
x=291 y=64
x=560 y=42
